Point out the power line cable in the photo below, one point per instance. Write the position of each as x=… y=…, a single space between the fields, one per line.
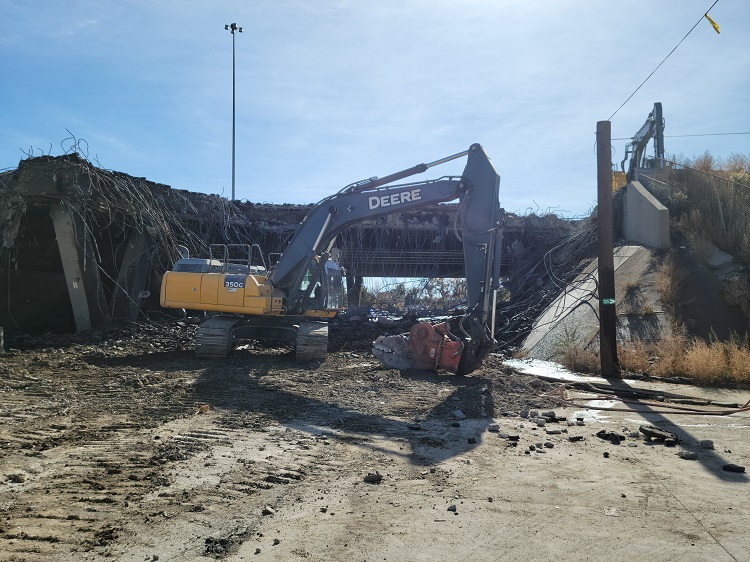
x=694 y=135
x=706 y=135
x=663 y=61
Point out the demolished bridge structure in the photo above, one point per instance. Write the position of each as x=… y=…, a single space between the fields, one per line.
x=84 y=248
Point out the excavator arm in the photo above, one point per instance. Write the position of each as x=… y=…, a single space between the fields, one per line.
x=652 y=128
x=460 y=345
x=311 y=244
x=477 y=188
x=355 y=203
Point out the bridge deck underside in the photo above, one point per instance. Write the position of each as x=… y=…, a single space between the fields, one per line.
x=371 y=252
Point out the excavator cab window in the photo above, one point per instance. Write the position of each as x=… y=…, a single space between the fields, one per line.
x=306 y=280
x=333 y=286
x=327 y=290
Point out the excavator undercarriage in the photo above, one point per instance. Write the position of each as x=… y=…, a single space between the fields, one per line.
x=216 y=336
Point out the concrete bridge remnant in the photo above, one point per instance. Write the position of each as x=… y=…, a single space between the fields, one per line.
x=83 y=248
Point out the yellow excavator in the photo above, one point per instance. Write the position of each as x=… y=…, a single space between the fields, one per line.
x=293 y=299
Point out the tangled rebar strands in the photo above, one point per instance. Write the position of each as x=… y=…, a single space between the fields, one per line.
x=541 y=272
x=109 y=211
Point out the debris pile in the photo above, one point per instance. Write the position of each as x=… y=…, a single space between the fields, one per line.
x=126 y=231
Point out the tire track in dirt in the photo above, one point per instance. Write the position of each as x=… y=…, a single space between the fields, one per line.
x=213 y=510
x=74 y=451
x=74 y=498
x=125 y=451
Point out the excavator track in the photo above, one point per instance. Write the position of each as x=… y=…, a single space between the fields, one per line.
x=312 y=342
x=214 y=337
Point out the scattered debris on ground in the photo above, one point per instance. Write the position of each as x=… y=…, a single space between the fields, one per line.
x=126 y=446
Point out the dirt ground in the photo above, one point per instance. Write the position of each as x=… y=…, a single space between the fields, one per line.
x=130 y=448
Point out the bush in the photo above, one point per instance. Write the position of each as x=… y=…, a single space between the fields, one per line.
x=570 y=352
x=669 y=280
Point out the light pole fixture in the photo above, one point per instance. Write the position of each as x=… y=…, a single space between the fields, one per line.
x=233 y=27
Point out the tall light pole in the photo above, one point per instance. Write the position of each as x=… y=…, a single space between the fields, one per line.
x=233 y=27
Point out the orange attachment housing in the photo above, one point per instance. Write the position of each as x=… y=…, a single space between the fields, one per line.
x=431 y=347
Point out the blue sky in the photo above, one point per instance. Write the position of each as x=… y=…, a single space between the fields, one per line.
x=333 y=91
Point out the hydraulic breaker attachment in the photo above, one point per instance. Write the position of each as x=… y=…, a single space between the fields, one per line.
x=424 y=347
x=457 y=346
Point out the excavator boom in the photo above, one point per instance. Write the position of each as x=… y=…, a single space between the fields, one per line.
x=635 y=149
x=292 y=300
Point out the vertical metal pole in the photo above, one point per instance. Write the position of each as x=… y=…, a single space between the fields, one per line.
x=233 y=114
x=232 y=27
x=607 y=310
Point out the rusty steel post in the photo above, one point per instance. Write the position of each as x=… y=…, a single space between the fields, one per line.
x=607 y=310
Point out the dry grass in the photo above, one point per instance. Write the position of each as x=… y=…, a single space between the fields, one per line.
x=669 y=352
x=718 y=362
x=634 y=356
x=669 y=280
x=694 y=227
x=581 y=360
x=737 y=352
x=707 y=363
x=576 y=357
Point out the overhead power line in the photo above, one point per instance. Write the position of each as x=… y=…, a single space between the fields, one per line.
x=695 y=135
x=663 y=61
x=707 y=135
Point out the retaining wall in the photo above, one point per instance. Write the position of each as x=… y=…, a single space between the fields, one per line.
x=645 y=221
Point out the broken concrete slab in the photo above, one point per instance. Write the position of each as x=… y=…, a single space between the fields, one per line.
x=572 y=319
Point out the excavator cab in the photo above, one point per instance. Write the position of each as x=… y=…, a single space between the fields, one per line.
x=327 y=292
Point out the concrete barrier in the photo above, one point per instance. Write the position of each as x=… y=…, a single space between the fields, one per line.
x=645 y=221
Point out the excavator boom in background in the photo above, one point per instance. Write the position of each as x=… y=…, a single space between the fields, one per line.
x=635 y=150
x=293 y=299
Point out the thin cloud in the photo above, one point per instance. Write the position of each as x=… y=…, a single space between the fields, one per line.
x=334 y=91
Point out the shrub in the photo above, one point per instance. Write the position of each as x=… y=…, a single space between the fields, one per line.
x=705 y=363
x=737 y=352
x=634 y=356
x=669 y=280
x=570 y=352
x=669 y=352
